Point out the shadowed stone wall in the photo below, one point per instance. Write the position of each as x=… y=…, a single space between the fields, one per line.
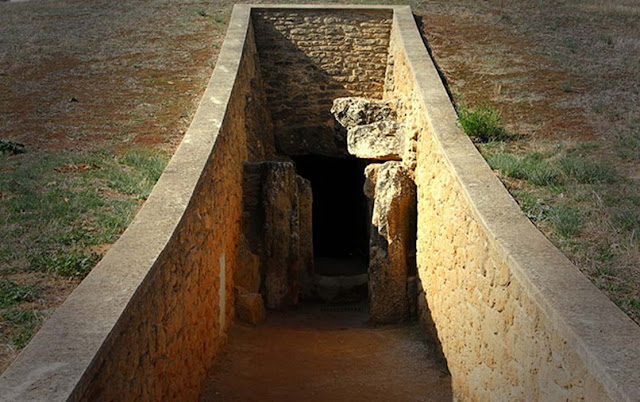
x=310 y=57
x=175 y=327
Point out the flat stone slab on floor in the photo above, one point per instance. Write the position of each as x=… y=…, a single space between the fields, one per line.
x=326 y=353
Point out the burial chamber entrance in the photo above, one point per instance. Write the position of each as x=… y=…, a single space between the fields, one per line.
x=329 y=198
x=340 y=227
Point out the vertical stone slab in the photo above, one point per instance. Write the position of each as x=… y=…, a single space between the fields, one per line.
x=287 y=235
x=392 y=241
x=280 y=213
x=305 y=208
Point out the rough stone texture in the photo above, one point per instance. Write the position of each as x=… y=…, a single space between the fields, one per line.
x=158 y=305
x=286 y=197
x=307 y=271
x=247 y=273
x=173 y=327
x=392 y=239
x=516 y=320
x=280 y=235
x=311 y=57
x=381 y=140
x=371 y=178
x=249 y=306
x=330 y=288
x=355 y=111
x=277 y=223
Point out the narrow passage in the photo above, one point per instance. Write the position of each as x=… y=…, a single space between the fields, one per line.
x=326 y=353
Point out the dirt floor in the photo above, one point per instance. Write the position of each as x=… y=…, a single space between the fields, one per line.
x=327 y=353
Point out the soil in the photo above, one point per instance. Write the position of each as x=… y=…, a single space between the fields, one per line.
x=327 y=353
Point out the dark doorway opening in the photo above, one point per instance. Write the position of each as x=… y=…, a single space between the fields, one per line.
x=340 y=216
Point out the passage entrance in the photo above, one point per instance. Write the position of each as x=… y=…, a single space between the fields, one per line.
x=340 y=224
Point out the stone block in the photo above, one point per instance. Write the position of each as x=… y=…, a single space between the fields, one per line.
x=356 y=111
x=249 y=306
x=392 y=243
x=305 y=228
x=287 y=235
x=247 y=273
x=381 y=140
x=279 y=194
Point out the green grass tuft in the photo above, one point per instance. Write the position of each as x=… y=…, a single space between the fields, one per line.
x=586 y=171
x=532 y=167
x=11 y=147
x=484 y=124
x=67 y=263
x=626 y=219
x=20 y=325
x=567 y=221
x=136 y=173
x=12 y=293
x=532 y=206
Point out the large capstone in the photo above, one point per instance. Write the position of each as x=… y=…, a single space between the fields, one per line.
x=355 y=111
x=392 y=241
x=370 y=126
x=381 y=140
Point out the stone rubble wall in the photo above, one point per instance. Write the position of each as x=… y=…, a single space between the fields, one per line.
x=175 y=326
x=311 y=57
x=505 y=337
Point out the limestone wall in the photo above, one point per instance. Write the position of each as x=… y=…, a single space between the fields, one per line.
x=149 y=319
x=309 y=57
x=516 y=320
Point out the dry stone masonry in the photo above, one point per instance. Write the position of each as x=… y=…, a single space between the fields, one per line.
x=278 y=259
x=228 y=232
x=310 y=58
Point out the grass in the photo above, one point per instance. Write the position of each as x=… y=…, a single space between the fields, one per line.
x=586 y=171
x=567 y=221
x=19 y=326
x=551 y=169
x=588 y=209
x=80 y=154
x=12 y=293
x=71 y=263
x=57 y=212
x=532 y=167
x=582 y=110
x=484 y=124
x=11 y=147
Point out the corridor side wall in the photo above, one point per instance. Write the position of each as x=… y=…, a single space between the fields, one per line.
x=175 y=325
x=516 y=320
x=149 y=319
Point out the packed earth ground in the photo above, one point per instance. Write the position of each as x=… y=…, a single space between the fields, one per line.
x=95 y=96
